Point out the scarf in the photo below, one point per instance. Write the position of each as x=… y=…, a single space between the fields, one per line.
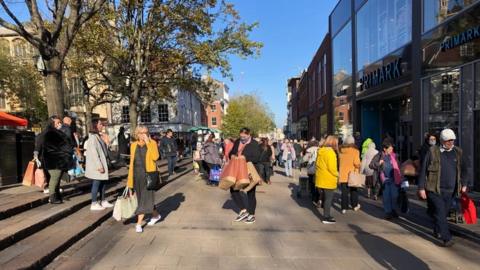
x=397 y=176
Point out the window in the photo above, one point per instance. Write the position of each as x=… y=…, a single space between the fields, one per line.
x=477 y=86
x=20 y=48
x=437 y=11
x=125 y=114
x=76 y=92
x=214 y=121
x=145 y=116
x=342 y=61
x=319 y=89
x=382 y=27
x=324 y=80
x=340 y=15
x=4 y=47
x=2 y=100
x=163 y=113
x=213 y=107
x=447 y=99
x=340 y=116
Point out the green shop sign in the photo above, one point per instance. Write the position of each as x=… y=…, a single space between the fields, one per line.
x=388 y=72
x=460 y=39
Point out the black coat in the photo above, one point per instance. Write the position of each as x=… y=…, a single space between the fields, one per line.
x=252 y=151
x=56 y=150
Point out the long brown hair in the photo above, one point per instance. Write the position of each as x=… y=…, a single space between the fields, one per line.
x=331 y=141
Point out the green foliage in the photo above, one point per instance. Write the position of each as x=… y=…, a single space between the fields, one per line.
x=247 y=111
x=21 y=84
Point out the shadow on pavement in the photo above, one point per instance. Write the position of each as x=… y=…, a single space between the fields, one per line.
x=386 y=253
x=282 y=173
x=170 y=204
x=304 y=201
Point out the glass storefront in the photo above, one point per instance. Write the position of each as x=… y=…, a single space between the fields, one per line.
x=437 y=11
x=342 y=61
x=340 y=15
x=382 y=27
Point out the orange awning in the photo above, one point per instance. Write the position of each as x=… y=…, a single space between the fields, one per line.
x=11 y=120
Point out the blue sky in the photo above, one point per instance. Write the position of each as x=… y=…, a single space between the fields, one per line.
x=291 y=32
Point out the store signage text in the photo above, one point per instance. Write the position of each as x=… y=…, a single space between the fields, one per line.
x=383 y=74
x=460 y=39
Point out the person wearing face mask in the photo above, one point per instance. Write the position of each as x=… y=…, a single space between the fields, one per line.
x=430 y=140
x=443 y=176
x=249 y=148
x=386 y=166
x=53 y=153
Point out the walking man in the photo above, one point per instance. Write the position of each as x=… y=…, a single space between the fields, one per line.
x=442 y=176
x=169 y=150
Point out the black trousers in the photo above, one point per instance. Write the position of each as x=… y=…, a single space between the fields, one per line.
x=264 y=170
x=440 y=204
x=313 y=189
x=251 y=201
x=346 y=191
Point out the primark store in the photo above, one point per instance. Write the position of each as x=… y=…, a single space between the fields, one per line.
x=406 y=67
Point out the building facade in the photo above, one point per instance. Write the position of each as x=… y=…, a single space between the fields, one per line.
x=290 y=129
x=407 y=67
x=217 y=109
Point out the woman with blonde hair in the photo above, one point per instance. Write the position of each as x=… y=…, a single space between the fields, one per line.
x=144 y=154
x=326 y=175
x=349 y=159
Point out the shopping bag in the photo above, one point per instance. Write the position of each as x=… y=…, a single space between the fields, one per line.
x=29 y=175
x=39 y=178
x=242 y=178
x=77 y=171
x=356 y=179
x=228 y=175
x=254 y=177
x=468 y=209
x=215 y=173
x=402 y=201
x=125 y=206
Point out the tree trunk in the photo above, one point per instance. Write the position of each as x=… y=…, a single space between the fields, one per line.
x=88 y=115
x=133 y=112
x=54 y=87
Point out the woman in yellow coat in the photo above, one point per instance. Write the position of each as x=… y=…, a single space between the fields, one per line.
x=326 y=175
x=144 y=154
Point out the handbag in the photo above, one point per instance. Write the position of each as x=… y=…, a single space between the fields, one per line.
x=254 y=177
x=153 y=180
x=29 y=175
x=468 y=209
x=39 y=178
x=242 y=178
x=228 y=175
x=125 y=206
x=356 y=179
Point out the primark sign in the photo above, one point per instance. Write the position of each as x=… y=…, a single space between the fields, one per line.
x=460 y=39
x=388 y=72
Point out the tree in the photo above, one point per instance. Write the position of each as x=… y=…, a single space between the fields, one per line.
x=20 y=83
x=161 y=46
x=52 y=36
x=247 y=111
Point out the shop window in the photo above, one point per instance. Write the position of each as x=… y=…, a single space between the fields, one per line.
x=125 y=114
x=437 y=11
x=382 y=27
x=477 y=86
x=145 y=116
x=163 y=112
x=214 y=121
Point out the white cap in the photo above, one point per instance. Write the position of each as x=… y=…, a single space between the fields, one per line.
x=447 y=134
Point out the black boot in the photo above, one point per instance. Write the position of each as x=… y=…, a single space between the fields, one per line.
x=54 y=200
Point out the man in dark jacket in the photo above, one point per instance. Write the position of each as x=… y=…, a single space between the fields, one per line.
x=169 y=150
x=246 y=146
x=443 y=175
x=54 y=150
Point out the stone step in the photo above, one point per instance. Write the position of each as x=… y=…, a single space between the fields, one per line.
x=38 y=238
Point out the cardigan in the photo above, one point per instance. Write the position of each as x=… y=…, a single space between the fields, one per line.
x=150 y=162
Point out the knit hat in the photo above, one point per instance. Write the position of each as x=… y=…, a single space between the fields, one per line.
x=349 y=140
x=447 y=134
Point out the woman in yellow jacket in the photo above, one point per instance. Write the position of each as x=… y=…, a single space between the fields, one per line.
x=349 y=158
x=144 y=154
x=326 y=175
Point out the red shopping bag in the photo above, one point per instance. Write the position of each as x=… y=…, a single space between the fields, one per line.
x=468 y=209
x=39 y=178
x=29 y=176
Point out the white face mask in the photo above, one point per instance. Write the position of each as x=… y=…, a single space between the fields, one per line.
x=432 y=142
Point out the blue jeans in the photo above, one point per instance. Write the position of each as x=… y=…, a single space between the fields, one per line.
x=390 y=195
x=171 y=164
x=288 y=167
x=98 y=185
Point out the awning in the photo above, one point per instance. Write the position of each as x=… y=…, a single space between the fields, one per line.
x=11 y=120
x=195 y=129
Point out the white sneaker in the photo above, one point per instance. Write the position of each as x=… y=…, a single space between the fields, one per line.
x=154 y=220
x=96 y=207
x=344 y=211
x=356 y=208
x=138 y=228
x=106 y=204
x=46 y=191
